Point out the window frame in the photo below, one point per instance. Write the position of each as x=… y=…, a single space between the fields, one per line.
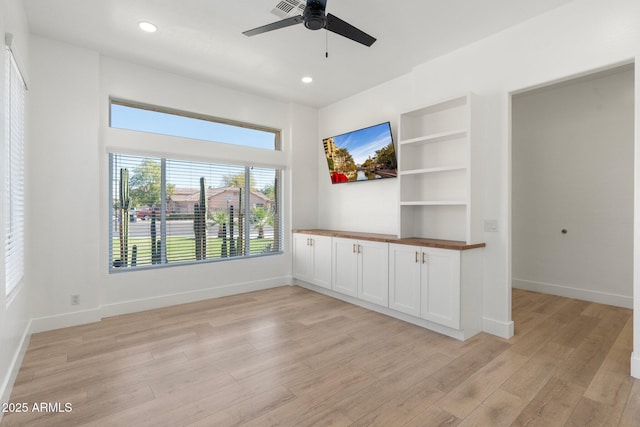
x=13 y=227
x=163 y=220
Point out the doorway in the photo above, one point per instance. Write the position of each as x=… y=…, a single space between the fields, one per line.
x=572 y=194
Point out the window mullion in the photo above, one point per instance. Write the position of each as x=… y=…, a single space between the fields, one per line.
x=247 y=210
x=163 y=210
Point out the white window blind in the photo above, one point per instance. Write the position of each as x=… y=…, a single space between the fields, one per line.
x=159 y=217
x=14 y=175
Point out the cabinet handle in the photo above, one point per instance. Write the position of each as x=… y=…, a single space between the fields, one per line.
x=310 y=242
x=417 y=257
x=359 y=248
x=424 y=261
x=307 y=241
x=354 y=248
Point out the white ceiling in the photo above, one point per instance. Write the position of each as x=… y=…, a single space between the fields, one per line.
x=203 y=39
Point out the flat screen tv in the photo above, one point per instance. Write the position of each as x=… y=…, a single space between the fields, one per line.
x=361 y=155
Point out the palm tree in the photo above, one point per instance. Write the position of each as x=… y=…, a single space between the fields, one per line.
x=261 y=217
x=219 y=218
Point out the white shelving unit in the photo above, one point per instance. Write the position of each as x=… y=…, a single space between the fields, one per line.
x=437 y=148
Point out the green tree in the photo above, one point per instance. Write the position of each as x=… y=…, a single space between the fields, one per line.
x=219 y=217
x=269 y=191
x=386 y=158
x=146 y=184
x=237 y=180
x=345 y=159
x=261 y=217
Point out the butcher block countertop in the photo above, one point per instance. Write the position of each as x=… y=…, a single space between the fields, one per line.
x=389 y=238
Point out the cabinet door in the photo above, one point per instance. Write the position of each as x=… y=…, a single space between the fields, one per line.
x=404 y=278
x=441 y=286
x=373 y=269
x=345 y=266
x=321 y=254
x=302 y=263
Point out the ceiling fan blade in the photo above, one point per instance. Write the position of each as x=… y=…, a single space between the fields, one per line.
x=338 y=26
x=274 y=26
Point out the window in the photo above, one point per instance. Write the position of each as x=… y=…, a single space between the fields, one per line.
x=13 y=156
x=167 y=211
x=132 y=116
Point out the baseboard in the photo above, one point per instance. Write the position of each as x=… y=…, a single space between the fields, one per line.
x=135 y=306
x=7 y=386
x=498 y=328
x=635 y=365
x=575 y=293
x=59 y=321
x=444 y=330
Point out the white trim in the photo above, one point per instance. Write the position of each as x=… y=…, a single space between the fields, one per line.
x=635 y=365
x=569 y=292
x=65 y=320
x=444 y=330
x=498 y=328
x=7 y=386
x=135 y=306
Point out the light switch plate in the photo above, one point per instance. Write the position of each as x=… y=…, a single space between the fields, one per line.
x=491 y=225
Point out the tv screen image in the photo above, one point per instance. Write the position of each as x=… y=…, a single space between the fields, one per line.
x=361 y=155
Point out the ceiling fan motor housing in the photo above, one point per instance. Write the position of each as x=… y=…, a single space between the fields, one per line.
x=314 y=17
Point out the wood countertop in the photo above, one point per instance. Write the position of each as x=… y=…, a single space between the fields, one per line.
x=390 y=238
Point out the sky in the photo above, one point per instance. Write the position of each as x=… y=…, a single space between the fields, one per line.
x=364 y=142
x=125 y=117
x=187 y=174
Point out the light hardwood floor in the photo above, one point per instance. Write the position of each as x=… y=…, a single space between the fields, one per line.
x=291 y=357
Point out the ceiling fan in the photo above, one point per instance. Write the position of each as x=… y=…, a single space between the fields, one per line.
x=315 y=18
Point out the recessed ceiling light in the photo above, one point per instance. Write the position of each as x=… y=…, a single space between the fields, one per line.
x=307 y=79
x=147 y=26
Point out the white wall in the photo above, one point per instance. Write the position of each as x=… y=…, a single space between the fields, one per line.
x=69 y=181
x=582 y=36
x=369 y=206
x=572 y=169
x=14 y=311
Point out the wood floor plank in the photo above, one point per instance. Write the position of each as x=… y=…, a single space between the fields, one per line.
x=553 y=405
x=631 y=413
x=500 y=409
x=466 y=397
x=291 y=357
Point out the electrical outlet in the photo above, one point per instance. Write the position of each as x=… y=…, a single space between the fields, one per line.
x=75 y=299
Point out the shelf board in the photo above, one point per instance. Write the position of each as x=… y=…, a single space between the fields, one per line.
x=433 y=170
x=434 y=203
x=435 y=137
x=445 y=104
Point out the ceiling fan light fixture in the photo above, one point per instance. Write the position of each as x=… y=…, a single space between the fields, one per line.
x=314 y=19
x=147 y=26
x=307 y=79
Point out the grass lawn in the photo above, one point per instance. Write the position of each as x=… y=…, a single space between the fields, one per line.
x=180 y=249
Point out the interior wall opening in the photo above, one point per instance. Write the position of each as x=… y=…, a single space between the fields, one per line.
x=572 y=194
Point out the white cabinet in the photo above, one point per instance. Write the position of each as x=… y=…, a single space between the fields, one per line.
x=404 y=278
x=432 y=283
x=437 y=147
x=360 y=269
x=312 y=259
x=440 y=288
x=427 y=282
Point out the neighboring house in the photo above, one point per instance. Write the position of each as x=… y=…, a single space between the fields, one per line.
x=183 y=200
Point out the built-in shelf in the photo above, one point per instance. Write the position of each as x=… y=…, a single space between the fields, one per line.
x=433 y=170
x=434 y=203
x=436 y=137
x=438 y=177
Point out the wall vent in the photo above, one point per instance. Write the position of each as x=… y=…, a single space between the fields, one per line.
x=288 y=8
